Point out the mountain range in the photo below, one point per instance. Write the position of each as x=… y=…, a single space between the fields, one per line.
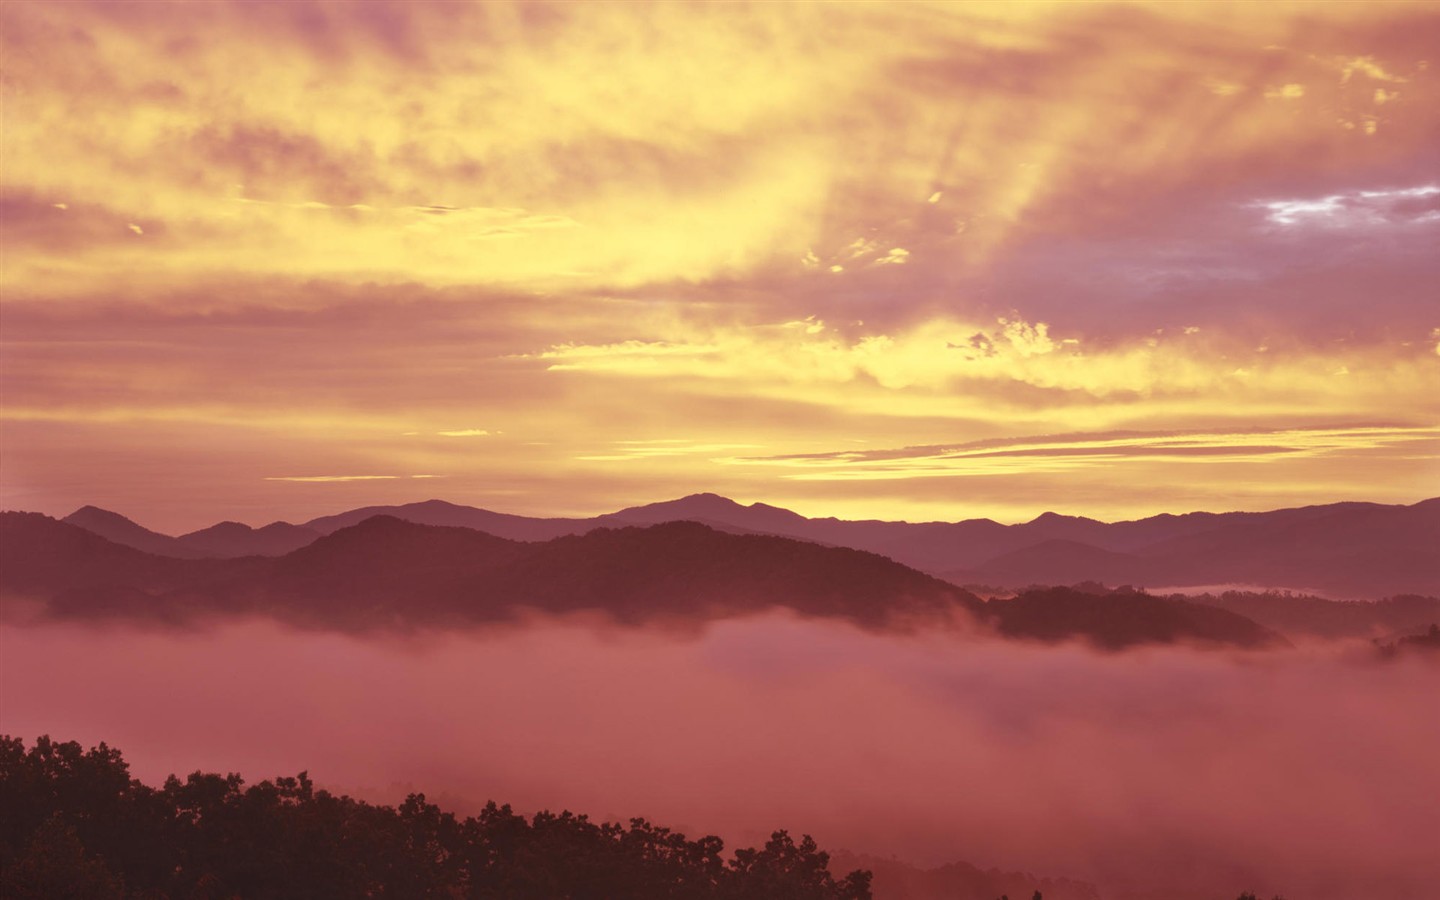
x=220 y=541
x=387 y=573
x=1349 y=550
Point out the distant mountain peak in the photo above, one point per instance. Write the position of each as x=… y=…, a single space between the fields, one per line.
x=707 y=501
x=93 y=517
x=382 y=522
x=766 y=507
x=229 y=525
x=705 y=497
x=115 y=527
x=713 y=509
x=96 y=514
x=232 y=539
x=435 y=503
x=1053 y=518
x=690 y=505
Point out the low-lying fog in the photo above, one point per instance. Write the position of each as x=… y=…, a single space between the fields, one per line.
x=1311 y=772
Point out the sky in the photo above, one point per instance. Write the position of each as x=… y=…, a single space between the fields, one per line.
x=269 y=261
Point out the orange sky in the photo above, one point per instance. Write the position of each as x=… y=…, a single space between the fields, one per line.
x=273 y=260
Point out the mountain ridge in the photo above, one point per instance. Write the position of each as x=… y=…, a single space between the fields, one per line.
x=231 y=539
x=387 y=573
x=1349 y=548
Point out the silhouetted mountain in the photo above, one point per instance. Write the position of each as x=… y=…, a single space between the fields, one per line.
x=438 y=512
x=1300 y=615
x=1123 y=619
x=916 y=545
x=1354 y=549
x=223 y=541
x=1051 y=526
x=43 y=557
x=385 y=572
x=686 y=569
x=895 y=880
x=1346 y=548
x=677 y=570
x=1058 y=561
x=927 y=545
x=713 y=510
x=1120 y=537
x=1351 y=549
x=115 y=527
x=231 y=539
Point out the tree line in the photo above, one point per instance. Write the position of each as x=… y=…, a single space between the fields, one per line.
x=76 y=825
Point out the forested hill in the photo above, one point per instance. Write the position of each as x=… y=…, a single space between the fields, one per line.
x=76 y=825
x=1300 y=615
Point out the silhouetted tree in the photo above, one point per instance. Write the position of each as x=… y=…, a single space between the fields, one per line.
x=54 y=864
x=77 y=826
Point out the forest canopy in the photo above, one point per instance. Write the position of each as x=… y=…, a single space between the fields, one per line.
x=77 y=825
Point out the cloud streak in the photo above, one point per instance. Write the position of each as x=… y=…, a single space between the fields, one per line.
x=326 y=479
x=1069 y=452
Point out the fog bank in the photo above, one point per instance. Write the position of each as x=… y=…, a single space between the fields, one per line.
x=1305 y=772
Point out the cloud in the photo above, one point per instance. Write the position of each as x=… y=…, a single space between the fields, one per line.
x=679 y=163
x=947 y=364
x=662 y=447
x=1399 y=207
x=1059 y=453
x=325 y=378
x=588 y=225
x=325 y=479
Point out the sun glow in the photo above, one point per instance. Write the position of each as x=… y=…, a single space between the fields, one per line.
x=499 y=241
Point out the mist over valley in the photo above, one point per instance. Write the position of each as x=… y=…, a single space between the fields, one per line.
x=1090 y=741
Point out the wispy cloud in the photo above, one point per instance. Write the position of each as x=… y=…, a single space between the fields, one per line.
x=320 y=479
x=1057 y=453
x=900 y=224
x=942 y=366
x=626 y=451
x=1357 y=209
